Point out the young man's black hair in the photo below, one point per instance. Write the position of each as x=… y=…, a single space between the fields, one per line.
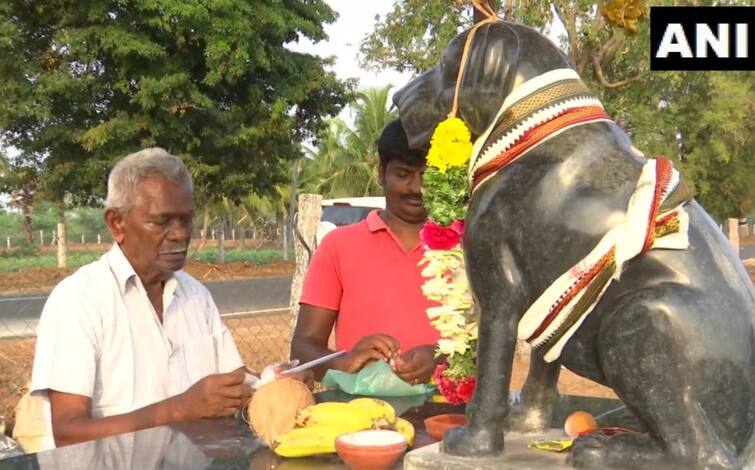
x=393 y=145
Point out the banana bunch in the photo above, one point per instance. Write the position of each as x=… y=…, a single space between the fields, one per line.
x=319 y=425
x=406 y=428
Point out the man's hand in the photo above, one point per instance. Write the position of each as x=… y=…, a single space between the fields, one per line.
x=416 y=365
x=377 y=347
x=213 y=396
x=306 y=376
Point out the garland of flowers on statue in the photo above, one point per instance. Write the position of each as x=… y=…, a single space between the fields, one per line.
x=445 y=194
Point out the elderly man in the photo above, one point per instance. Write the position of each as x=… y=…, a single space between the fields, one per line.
x=130 y=341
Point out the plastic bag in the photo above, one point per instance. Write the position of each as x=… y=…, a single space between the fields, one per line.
x=8 y=447
x=551 y=445
x=376 y=380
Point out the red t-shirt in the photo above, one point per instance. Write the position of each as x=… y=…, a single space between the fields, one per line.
x=364 y=273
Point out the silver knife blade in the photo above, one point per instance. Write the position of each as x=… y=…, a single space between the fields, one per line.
x=312 y=363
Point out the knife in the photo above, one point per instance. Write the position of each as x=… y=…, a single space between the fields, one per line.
x=312 y=363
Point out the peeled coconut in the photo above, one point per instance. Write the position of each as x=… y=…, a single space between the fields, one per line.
x=273 y=408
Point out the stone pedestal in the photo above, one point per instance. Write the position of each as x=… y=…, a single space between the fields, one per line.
x=515 y=457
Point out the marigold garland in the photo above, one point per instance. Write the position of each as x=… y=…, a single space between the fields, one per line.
x=446 y=192
x=450 y=145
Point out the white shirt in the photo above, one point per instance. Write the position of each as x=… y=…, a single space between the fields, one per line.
x=99 y=336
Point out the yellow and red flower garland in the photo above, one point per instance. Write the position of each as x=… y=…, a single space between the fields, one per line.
x=445 y=193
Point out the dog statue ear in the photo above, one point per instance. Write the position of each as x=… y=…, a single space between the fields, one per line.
x=488 y=78
x=489 y=75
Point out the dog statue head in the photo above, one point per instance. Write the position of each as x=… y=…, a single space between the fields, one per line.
x=502 y=55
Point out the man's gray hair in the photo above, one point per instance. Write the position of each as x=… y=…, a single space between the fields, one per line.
x=127 y=173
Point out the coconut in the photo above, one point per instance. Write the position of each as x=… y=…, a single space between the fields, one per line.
x=273 y=408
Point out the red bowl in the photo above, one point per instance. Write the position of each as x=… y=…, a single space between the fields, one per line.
x=436 y=426
x=371 y=450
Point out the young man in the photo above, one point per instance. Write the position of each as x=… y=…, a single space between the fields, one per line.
x=365 y=279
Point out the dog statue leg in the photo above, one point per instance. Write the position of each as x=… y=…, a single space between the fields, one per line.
x=653 y=358
x=493 y=275
x=538 y=395
x=483 y=435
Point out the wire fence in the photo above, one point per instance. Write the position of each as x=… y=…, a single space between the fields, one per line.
x=249 y=231
x=254 y=310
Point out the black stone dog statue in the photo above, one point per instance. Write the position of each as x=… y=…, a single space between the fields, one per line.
x=674 y=336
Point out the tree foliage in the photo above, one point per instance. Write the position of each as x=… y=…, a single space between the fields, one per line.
x=345 y=163
x=210 y=80
x=718 y=145
x=666 y=113
x=19 y=179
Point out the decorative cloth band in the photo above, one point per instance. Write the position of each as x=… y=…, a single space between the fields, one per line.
x=534 y=112
x=655 y=218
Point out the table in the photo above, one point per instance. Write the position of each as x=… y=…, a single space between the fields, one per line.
x=226 y=444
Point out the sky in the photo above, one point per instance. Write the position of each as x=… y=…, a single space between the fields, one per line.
x=355 y=19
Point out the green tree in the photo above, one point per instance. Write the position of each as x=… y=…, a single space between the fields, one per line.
x=665 y=113
x=210 y=80
x=345 y=162
x=19 y=178
x=717 y=145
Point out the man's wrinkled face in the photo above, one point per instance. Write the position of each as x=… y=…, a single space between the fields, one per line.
x=402 y=186
x=155 y=233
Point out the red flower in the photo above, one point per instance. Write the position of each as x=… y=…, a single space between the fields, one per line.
x=465 y=388
x=456 y=391
x=438 y=237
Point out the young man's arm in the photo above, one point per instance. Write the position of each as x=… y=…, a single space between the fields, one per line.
x=310 y=341
x=321 y=295
x=213 y=396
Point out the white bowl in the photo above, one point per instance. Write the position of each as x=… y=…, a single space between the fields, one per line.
x=377 y=437
x=371 y=450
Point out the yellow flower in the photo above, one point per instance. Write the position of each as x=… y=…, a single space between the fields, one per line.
x=450 y=146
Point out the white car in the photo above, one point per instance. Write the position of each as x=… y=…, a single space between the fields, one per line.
x=345 y=211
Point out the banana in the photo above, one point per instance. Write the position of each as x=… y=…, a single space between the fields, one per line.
x=303 y=442
x=379 y=409
x=344 y=416
x=320 y=424
x=406 y=428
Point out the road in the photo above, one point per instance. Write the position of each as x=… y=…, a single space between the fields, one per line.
x=19 y=314
x=747 y=251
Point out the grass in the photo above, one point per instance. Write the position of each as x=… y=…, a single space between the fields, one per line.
x=23 y=259
x=10 y=263
x=256 y=257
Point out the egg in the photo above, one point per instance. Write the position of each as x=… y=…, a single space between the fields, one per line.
x=579 y=422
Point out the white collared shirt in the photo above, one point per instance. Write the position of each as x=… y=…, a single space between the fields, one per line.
x=99 y=336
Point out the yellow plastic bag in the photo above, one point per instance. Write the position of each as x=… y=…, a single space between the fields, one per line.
x=32 y=430
x=551 y=445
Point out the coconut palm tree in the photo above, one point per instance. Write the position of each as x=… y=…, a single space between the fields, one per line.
x=345 y=162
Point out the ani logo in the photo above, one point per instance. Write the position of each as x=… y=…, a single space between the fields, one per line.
x=702 y=38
